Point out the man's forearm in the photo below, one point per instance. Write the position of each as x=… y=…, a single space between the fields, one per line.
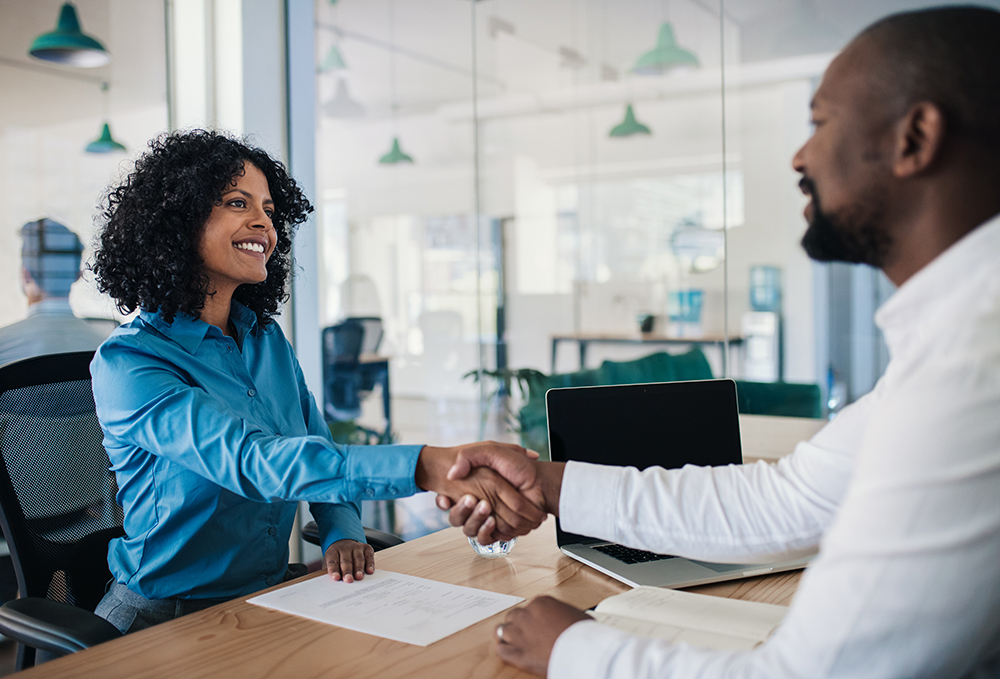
x=550 y=478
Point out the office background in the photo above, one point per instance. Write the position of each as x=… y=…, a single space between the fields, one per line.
x=486 y=175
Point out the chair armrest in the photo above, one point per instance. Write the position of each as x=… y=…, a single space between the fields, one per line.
x=52 y=626
x=378 y=539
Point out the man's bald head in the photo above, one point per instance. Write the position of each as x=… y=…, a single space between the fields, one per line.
x=949 y=56
x=904 y=159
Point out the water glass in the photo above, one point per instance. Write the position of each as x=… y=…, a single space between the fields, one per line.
x=496 y=550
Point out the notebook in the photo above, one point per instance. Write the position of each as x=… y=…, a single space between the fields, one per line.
x=668 y=424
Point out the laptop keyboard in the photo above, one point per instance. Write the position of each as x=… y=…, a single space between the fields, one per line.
x=629 y=555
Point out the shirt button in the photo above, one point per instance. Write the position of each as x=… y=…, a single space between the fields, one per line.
x=270 y=581
x=251 y=392
x=272 y=531
x=369 y=492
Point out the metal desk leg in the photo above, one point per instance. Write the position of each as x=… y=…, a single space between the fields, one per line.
x=555 y=347
x=583 y=353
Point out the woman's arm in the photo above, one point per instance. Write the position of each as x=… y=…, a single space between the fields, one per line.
x=144 y=401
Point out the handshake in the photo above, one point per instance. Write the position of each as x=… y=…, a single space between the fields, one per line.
x=496 y=491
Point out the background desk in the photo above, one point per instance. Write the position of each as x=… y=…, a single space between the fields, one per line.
x=238 y=639
x=584 y=340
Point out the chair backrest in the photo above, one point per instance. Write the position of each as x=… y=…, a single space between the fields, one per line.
x=372 y=337
x=341 y=370
x=342 y=342
x=57 y=492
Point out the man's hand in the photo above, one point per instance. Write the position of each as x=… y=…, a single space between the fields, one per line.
x=513 y=514
x=540 y=482
x=525 y=639
x=350 y=560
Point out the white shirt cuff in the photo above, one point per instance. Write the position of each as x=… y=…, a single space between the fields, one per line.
x=585 y=650
x=589 y=498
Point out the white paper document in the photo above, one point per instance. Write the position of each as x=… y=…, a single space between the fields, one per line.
x=389 y=605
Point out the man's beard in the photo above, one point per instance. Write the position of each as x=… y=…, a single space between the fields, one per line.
x=853 y=236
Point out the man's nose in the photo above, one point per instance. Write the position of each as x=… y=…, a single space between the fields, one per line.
x=798 y=160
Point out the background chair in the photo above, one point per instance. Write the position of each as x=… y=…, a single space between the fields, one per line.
x=341 y=370
x=58 y=509
x=351 y=370
x=57 y=505
x=378 y=539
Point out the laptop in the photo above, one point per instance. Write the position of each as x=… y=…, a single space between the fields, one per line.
x=668 y=424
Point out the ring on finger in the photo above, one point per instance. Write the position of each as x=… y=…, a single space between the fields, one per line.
x=499 y=632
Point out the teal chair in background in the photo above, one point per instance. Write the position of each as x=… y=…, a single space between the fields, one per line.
x=755 y=398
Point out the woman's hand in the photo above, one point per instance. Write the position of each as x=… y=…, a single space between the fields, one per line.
x=350 y=560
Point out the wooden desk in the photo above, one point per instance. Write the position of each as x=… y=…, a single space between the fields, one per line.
x=584 y=340
x=238 y=639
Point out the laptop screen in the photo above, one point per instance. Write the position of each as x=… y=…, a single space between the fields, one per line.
x=666 y=424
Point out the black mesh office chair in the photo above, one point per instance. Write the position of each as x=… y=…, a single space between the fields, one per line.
x=57 y=506
x=373 y=332
x=351 y=370
x=341 y=370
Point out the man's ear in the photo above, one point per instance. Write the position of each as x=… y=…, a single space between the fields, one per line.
x=30 y=287
x=919 y=139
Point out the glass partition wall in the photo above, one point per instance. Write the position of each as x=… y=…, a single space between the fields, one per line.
x=53 y=160
x=516 y=186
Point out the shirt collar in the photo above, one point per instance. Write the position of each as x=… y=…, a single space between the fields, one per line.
x=51 y=307
x=919 y=298
x=189 y=332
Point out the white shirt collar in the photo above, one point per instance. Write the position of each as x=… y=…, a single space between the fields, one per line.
x=919 y=300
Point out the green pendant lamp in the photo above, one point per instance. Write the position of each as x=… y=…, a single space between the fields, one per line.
x=105 y=143
x=342 y=105
x=333 y=61
x=629 y=126
x=665 y=56
x=395 y=156
x=68 y=44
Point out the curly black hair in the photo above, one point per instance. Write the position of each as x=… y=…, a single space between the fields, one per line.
x=151 y=223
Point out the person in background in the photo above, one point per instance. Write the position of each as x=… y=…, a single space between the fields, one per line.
x=50 y=264
x=900 y=493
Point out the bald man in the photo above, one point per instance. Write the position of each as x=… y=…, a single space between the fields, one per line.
x=900 y=494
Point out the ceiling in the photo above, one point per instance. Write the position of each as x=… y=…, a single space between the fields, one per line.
x=36 y=93
x=522 y=47
x=531 y=47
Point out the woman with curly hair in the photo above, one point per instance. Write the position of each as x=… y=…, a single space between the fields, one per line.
x=210 y=428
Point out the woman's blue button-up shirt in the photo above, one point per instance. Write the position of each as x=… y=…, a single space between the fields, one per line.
x=212 y=443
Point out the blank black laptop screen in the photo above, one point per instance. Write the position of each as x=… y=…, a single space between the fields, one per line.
x=666 y=424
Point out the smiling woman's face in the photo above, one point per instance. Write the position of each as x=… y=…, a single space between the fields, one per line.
x=239 y=237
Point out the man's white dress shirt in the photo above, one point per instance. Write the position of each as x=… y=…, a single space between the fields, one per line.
x=901 y=495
